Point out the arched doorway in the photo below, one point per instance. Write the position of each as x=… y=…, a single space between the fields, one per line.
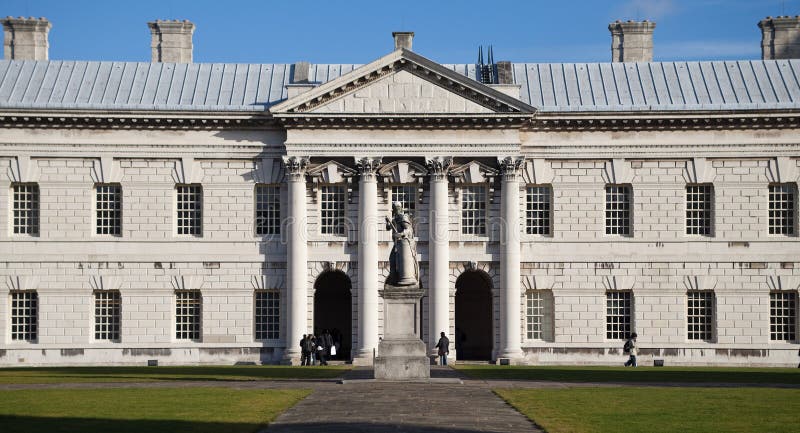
x=333 y=310
x=473 y=338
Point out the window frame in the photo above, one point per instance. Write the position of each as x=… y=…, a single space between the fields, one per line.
x=275 y=321
x=114 y=325
x=275 y=213
x=706 y=328
x=549 y=204
x=97 y=210
x=196 y=319
x=791 y=228
x=35 y=210
x=197 y=209
x=546 y=331
x=628 y=220
x=30 y=332
x=700 y=214
x=619 y=334
x=342 y=228
x=461 y=210
x=791 y=327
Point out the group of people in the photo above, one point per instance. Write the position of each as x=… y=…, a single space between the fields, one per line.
x=317 y=349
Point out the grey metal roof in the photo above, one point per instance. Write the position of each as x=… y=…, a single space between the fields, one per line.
x=734 y=85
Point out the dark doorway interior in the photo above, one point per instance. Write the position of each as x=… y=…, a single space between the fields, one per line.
x=473 y=317
x=333 y=310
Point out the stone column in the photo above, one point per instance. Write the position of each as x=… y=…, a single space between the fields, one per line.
x=296 y=258
x=510 y=325
x=438 y=252
x=368 y=220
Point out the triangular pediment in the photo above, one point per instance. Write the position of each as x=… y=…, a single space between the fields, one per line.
x=402 y=83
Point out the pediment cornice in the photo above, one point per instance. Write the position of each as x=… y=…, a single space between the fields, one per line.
x=299 y=109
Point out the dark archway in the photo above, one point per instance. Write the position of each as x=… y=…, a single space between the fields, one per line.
x=333 y=310
x=474 y=328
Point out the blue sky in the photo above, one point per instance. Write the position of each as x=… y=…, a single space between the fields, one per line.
x=320 y=31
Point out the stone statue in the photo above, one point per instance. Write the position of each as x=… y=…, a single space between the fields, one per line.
x=403 y=266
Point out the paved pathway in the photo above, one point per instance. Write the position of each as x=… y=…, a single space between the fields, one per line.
x=438 y=407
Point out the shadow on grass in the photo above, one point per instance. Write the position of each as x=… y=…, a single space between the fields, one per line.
x=229 y=373
x=637 y=375
x=29 y=424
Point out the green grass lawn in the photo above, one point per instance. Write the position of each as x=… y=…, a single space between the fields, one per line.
x=194 y=410
x=656 y=409
x=639 y=374
x=156 y=374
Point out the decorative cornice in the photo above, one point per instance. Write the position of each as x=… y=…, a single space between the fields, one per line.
x=367 y=167
x=404 y=121
x=439 y=166
x=295 y=166
x=135 y=120
x=674 y=120
x=510 y=167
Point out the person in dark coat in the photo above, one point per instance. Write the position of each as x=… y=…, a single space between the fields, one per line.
x=305 y=354
x=444 y=348
x=322 y=350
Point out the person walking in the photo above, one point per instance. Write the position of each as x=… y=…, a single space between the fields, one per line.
x=321 y=350
x=444 y=348
x=303 y=351
x=312 y=348
x=308 y=349
x=630 y=348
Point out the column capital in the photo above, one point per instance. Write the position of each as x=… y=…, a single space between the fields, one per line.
x=295 y=166
x=367 y=167
x=510 y=167
x=439 y=166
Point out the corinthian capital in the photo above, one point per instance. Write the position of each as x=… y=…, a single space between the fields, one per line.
x=510 y=166
x=295 y=166
x=367 y=167
x=439 y=166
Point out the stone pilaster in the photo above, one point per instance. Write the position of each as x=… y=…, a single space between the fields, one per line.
x=296 y=258
x=438 y=251
x=368 y=220
x=510 y=325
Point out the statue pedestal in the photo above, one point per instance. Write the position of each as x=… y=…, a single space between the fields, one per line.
x=401 y=354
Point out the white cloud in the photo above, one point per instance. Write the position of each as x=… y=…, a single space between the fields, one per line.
x=648 y=9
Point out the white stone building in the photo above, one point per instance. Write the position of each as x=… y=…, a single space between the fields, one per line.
x=215 y=213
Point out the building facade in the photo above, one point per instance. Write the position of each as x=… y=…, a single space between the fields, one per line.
x=216 y=213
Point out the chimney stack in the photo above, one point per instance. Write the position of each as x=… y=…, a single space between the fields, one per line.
x=403 y=40
x=632 y=41
x=780 y=37
x=25 y=38
x=171 y=40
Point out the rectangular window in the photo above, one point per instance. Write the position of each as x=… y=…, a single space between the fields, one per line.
x=332 y=205
x=108 y=209
x=473 y=210
x=699 y=205
x=24 y=316
x=107 y=315
x=25 y=208
x=782 y=204
x=537 y=210
x=190 y=210
x=268 y=210
x=783 y=316
x=700 y=315
x=188 y=307
x=618 y=315
x=539 y=315
x=268 y=315
x=405 y=195
x=618 y=210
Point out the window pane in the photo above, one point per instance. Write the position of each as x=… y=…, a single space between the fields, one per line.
x=24 y=316
x=107 y=315
x=473 y=210
x=537 y=211
x=699 y=315
x=189 y=210
x=332 y=208
x=268 y=210
x=109 y=209
x=618 y=315
x=783 y=316
x=699 y=201
x=188 y=306
x=618 y=210
x=25 y=209
x=267 y=315
x=782 y=203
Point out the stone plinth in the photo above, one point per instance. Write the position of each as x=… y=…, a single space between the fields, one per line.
x=401 y=354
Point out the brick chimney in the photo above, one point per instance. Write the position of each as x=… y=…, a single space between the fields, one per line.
x=403 y=40
x=25 y=38
x=171 y=40
x=780 y=37
x=632 y=41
